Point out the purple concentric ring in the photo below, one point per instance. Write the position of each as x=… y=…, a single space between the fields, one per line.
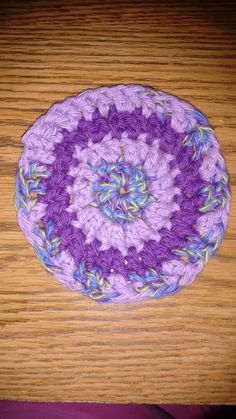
x=57 y=199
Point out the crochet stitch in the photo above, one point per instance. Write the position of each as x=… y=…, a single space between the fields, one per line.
x=123 y=192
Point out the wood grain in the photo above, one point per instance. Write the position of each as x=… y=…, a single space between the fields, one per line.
x=58 y=345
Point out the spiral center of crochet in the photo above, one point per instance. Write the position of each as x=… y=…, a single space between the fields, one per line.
x=121 y=191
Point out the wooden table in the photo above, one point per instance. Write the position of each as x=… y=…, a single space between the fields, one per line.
x=58 y=345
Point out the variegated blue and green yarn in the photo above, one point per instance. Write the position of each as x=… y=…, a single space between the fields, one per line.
x=121 y=191
x=29 y=186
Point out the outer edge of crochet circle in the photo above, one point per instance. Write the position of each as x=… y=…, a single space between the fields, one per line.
x=133 y=245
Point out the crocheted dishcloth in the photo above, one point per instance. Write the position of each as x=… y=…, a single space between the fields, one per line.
x=123 y=192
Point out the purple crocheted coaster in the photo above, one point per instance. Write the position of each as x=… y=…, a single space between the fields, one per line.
x=122 y=192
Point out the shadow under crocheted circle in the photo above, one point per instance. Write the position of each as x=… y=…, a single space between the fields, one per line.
x=123 y=192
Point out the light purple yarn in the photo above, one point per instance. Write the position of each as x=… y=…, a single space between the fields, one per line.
x=123 y=192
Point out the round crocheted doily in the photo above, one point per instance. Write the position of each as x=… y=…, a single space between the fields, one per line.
x=122 y=192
